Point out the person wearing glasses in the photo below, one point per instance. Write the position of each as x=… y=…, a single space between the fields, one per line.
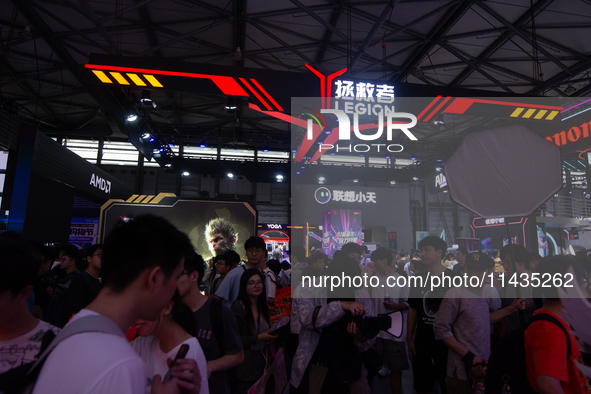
x=253 y=319
x=85 y=286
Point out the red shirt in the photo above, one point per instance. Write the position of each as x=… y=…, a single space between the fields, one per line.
x=545 y=354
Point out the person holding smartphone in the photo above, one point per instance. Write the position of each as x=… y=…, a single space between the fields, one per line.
x=163 y=339
x=252 y=316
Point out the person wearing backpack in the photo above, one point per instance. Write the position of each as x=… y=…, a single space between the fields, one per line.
x=141 y=263
x=217 y=331
x=550 y=347
x=21 y=334
x=463 y=325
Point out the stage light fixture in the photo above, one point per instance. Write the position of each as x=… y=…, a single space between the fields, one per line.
x=265 y=149
x=131 y=118
x=230 y=175
x=355 y=180
x=414 y=178
x=145 y=136
x=202 y=144
x=146 y=97
x=438 y=169
x=185 y=173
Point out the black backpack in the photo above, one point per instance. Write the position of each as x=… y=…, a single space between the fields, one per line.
x=506 y=364
x=22 y=379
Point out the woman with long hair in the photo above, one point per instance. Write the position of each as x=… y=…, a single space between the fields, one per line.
x=161 y=339
x=252 y=316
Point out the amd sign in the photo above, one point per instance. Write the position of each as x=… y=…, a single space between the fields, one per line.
x=100 y=183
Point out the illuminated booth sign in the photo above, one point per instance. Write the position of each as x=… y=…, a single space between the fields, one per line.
x=189 y=216
x=492 y=232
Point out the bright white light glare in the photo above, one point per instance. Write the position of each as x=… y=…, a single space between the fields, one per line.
x=321 y=179
x=230 y=175
x=279 y=177
x=185 y=173
x=146 y=136
x=414 y=178
x=131 y=118
x=439 y=169
x=392 y=182
x=355 y=180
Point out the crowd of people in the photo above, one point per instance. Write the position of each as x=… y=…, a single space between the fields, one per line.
x=169 y=321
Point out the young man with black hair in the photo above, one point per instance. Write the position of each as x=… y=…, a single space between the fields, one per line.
x=256 y=255
x=428 y=355
x=217 y=331
x=142 y=261
x=20 y=332
x=86 y=286
x=463 y=325
x=461 y=254
x=353 y=250
x=58 y=312
x=546 y=345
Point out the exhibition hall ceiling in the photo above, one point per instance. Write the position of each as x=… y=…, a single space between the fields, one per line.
x=517 y=47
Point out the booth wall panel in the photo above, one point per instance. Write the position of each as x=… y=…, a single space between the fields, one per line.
x=263 y=192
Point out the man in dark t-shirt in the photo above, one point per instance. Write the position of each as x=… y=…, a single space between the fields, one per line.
x=428 y=356
x=86 y=286
x=217 y=331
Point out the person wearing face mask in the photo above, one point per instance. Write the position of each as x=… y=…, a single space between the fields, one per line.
x=161 y=339
x=253 y=319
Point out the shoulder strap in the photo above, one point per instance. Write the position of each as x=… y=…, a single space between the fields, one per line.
x=243 y=267
x=552 y=319
x=94 y=323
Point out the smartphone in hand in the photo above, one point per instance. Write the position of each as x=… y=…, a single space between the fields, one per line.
x=180 y=354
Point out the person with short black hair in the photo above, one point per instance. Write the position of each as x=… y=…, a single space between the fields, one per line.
x=463 y=324
x=428 y=355
x=461 y=254
x=20 y=332
x=142 y=261
x=216 y=327
x=86 y=286
x=353 y=250
x=60 y=309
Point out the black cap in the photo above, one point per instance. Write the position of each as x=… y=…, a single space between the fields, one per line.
x=479 y=261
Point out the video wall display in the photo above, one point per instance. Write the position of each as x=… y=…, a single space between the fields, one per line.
x=234 y=221
x=340 y=227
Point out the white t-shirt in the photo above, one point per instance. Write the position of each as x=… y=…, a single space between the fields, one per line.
x=92 y=362
x=23 y=349
x=149 y=350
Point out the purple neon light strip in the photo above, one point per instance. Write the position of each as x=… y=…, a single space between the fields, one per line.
x=586 y=101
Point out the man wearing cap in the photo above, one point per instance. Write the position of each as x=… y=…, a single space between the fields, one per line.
x=463 y=324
